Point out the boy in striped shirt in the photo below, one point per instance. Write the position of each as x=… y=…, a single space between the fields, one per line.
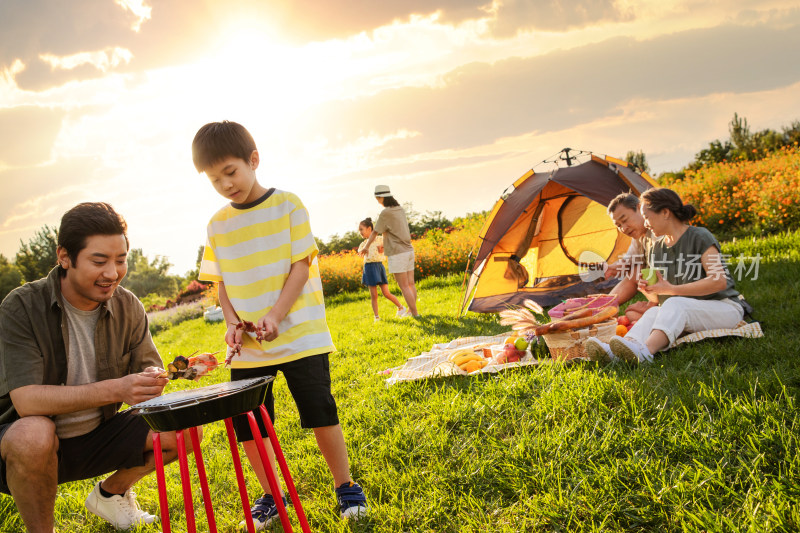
x=261 y=252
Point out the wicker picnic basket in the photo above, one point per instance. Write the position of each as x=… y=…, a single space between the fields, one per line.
x=567 y=345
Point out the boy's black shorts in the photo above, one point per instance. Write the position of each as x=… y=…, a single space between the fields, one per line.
x=116 y=443
x=309 y=381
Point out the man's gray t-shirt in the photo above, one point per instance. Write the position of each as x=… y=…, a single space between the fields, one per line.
x=81 y=370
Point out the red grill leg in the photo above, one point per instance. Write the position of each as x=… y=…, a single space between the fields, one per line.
x=237 y=465
x=201 y=473
x=186 y=482
x=287 y=476
x=162 y=484
x=268 y=468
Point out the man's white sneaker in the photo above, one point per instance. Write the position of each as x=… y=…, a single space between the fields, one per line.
x=630 y=350
x=120 y=511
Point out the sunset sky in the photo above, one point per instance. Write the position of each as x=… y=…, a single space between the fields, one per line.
x=446 y=102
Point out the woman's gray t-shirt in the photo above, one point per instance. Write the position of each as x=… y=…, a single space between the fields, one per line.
x=681 y=263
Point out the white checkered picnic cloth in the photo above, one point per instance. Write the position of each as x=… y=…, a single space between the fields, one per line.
x=434 y=362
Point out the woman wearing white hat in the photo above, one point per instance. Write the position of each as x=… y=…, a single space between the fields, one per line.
x=393 y=225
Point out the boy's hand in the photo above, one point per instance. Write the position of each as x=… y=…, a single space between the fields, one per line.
x=268 y=327
x=233 y=336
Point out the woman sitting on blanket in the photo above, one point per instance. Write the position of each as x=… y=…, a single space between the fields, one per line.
x=695 y=292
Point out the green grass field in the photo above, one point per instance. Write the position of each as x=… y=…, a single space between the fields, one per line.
x=704 y=439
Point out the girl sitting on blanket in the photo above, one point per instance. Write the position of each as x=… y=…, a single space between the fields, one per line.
x=695 y=292
x=374 y=275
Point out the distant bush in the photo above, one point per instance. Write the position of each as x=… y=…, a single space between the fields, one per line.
x=194 y=287
x=165 y=319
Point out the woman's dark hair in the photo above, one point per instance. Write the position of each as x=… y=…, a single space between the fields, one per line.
x=389 y=201
x=217 y=140
x=624 y=199
x=367 y=223
x=659 y=199
x=85 y=220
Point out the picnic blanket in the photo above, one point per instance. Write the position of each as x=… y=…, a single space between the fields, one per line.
x=434 y=363
x=742 y=329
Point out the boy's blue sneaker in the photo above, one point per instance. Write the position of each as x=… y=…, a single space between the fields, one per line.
x=352 y=502
x=263 y=512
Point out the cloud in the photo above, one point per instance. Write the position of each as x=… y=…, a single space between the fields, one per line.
x=479 y=103
x=46 y=34
x=554 y=15
x=33 y=27
x=139 y=9
x=35 y=196
x=311 y=20
x=27 y=134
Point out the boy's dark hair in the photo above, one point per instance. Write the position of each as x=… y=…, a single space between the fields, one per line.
x=625 y=199
x=661 y=198
x=85 y=220
x=389 y=201
x=367 y=223
x=217 y=140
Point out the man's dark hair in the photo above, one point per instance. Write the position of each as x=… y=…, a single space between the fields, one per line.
x=85 y=220
x=217 y=140
x=625 y=199
x=389 y=201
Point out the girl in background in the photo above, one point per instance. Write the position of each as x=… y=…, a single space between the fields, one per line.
x=392 y=224
x=374 y=274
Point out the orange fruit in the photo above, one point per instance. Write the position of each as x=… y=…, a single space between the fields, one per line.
x=472 y=366
x=621 y=330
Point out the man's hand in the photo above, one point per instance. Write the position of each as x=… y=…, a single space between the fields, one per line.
x=138 y=388
x=613 y=270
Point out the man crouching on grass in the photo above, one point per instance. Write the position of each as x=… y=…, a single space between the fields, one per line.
x=74 y=346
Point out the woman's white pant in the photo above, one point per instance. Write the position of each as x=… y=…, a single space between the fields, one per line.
x=680 y=315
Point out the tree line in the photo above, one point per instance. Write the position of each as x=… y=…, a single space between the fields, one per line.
x=742 y=145
x=146 y=278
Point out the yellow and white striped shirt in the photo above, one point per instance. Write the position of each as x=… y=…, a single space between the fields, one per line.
x=251 y=249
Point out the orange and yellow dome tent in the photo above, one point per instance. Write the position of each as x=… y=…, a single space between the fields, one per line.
x=548 y=236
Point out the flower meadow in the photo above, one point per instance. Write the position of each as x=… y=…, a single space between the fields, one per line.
x=745 y=197
x=438 y=253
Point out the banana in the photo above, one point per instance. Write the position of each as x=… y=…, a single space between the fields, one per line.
x=471 y=356
x=459 y=353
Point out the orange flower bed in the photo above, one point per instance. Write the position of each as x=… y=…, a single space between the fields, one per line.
x=747 y=196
